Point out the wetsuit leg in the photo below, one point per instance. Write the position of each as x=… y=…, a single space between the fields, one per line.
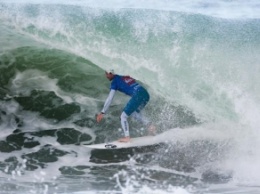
x=137 y=102
x=140 y=117
x=124 y=124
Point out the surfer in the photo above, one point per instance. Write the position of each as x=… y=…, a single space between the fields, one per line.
x=139 y=98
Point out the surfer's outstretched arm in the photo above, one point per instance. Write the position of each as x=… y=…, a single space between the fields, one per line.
x=108 y=100
x=106 y=105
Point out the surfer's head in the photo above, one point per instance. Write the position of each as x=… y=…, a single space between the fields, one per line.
x=110 y=74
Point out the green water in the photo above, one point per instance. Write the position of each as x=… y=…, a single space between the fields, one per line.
x=202 y=73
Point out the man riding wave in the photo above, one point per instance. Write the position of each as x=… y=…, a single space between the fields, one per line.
x=139 y=98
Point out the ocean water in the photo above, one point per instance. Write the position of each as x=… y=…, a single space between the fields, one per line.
x=199 y=60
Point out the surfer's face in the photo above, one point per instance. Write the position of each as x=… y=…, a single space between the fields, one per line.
x=109 y=76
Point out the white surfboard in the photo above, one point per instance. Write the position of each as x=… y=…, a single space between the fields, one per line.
x=165 y=137
x=134 y=142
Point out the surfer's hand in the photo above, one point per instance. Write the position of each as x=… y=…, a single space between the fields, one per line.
x=100 y=117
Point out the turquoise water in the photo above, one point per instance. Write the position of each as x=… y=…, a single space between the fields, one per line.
x=199 y=61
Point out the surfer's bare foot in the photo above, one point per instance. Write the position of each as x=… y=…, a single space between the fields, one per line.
x=124 y=139
x=152 y=130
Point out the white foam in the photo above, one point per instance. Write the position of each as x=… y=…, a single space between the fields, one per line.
x=243 y=158
x=221 y=8
x=132 y=184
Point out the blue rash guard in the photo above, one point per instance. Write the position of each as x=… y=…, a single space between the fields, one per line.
x=124 y=84
x=128 y=86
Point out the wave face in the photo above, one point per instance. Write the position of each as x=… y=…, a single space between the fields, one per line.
x=200 y=64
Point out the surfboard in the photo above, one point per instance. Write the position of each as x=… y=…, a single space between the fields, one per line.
x=134 y=142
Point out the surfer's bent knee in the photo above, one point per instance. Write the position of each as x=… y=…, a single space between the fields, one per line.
x=123 y=116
